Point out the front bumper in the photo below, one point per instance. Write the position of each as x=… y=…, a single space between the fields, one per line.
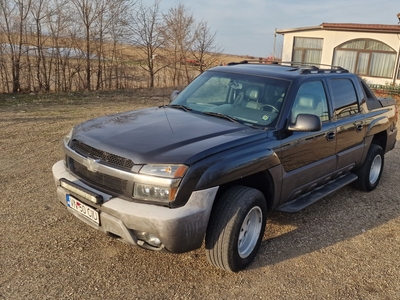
x=179 y=229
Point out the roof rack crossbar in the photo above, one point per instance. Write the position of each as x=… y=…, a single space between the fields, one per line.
x=303 y=68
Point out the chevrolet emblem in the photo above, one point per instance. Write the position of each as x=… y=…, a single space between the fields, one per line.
x=91 y=164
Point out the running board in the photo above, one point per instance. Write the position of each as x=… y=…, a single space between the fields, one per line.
x=307 y=199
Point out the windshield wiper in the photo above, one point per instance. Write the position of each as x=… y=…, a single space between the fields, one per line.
x=180 y=106
x=219 y=115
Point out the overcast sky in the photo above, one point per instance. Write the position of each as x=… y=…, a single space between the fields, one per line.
x=247 y=27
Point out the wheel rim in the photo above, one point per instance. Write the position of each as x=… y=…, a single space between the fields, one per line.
x=250 y=232
x=375 y=169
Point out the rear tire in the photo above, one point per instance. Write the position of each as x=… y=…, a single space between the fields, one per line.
x=236 y=228
x=370 y=172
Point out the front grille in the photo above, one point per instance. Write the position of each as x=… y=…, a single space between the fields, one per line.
x=107 y=182
x=105 y=157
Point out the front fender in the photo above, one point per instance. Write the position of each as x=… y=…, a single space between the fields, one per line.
x=227 y=166
x=237 y=165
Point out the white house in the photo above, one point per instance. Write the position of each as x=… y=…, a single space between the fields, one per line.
x=370 y=50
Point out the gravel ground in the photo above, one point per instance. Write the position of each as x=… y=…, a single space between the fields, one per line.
x=345 y=246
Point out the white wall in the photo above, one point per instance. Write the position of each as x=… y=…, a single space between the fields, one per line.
x=333 y=38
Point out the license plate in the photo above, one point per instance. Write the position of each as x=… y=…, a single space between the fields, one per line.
x=83 y=209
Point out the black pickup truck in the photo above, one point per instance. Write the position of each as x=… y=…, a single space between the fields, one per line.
x=239 y=141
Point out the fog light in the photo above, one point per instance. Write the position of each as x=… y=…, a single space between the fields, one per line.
x=148 y=238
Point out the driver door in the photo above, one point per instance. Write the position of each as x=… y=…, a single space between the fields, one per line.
x=308 y=158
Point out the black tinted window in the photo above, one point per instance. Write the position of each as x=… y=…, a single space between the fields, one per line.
x=367 y=91
x=311 y=99
x=344 y=97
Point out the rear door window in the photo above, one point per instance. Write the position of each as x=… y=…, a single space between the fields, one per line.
x=344 y=97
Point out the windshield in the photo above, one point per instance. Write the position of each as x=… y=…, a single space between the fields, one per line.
x=251 y=100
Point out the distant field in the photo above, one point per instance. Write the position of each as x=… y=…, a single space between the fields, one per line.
x=141 y=97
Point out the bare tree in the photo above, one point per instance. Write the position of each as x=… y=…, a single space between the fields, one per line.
x=146 y=36
x=59 y=29
x=4 y=69
x=178 y=37
x=113 y=15
x=203 y=47
x=41 y=11
x=64 y=45
x=117 y=32
x=13 y=14
x=89 y=12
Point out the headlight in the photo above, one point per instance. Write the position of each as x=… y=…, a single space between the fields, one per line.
x=169 y=171
x=164 y=191
x=154 y=193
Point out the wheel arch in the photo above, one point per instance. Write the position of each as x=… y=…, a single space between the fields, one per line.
x=380 y=139
x=262 y=181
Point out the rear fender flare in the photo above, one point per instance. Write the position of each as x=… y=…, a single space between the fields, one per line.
x=377 y=125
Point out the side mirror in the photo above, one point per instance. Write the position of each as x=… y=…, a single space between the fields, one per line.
x=306 y=122
x=174 y=94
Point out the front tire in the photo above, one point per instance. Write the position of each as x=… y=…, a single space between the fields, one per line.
x=370 y=172
x=236 y=228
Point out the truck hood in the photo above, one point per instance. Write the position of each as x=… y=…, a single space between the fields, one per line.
x=163 y=135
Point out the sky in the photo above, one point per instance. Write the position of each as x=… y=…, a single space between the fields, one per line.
x=247 y=27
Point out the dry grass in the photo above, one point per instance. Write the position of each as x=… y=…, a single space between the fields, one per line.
x=145 y=96
x=343 y=247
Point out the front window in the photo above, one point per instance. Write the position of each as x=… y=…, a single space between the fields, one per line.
x=311 y=99
x=250 y=100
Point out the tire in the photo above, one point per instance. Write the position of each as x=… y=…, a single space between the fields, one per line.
x=370 y=172
x=236 y=228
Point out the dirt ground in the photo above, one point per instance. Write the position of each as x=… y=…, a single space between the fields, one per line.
x=346 y=246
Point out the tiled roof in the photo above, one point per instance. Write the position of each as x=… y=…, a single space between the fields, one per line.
x=383 y=28
x=362 y=27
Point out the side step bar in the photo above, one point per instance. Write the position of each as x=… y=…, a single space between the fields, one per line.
x=307 y=199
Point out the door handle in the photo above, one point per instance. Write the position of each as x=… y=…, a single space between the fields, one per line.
x=330 y=135
x=359 y=128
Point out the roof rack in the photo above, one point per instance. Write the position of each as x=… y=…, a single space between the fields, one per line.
x=303 y=68
x=312 y=68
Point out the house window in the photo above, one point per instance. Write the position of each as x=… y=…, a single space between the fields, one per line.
x=366 y=57
x=307 y=50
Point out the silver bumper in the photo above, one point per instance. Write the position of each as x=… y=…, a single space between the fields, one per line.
x=180 y=229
